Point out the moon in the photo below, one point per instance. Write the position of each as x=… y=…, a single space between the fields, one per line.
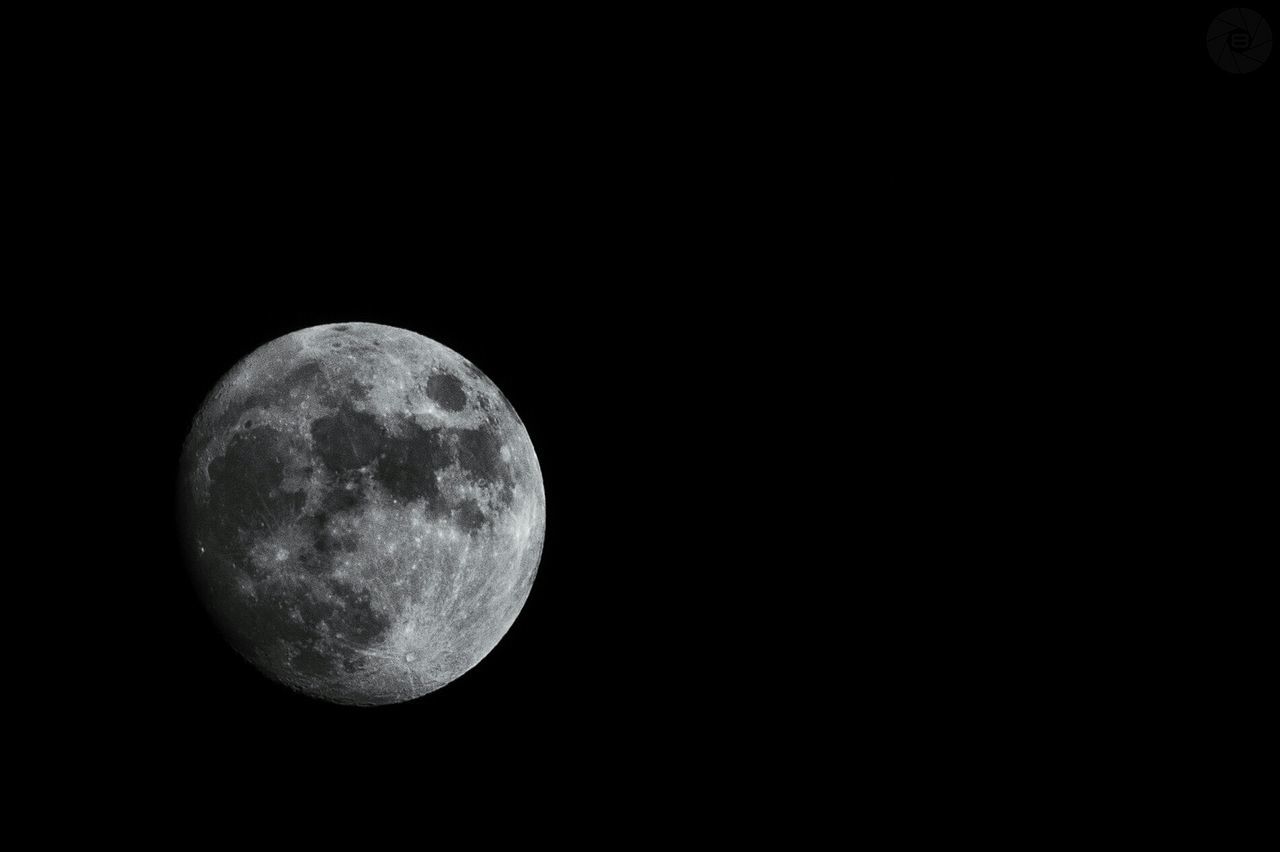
x=362 y=510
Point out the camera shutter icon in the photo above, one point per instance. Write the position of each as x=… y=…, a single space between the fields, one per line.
x=1239 y=40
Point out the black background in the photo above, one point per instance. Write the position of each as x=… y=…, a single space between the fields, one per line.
x=676 y=267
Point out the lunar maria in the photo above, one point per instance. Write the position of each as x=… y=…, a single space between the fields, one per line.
x=362 y=510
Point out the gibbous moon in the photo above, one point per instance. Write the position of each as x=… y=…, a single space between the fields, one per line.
x=363 y=512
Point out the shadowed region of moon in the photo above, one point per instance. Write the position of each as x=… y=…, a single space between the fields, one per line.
x=363 y=512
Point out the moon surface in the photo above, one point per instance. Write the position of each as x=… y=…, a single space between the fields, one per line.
x=363 y=512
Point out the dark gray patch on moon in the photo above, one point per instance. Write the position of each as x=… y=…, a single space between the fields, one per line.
x=347 y=440
x=246 y=491
x=470 y=516
x=447 y=390
x=355 y=534
x=479 y=453
x=410 y=466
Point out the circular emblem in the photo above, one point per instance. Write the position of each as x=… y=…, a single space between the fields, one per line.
x=1239 y=40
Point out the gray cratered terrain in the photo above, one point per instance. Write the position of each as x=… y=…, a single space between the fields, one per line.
x=363 y=510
